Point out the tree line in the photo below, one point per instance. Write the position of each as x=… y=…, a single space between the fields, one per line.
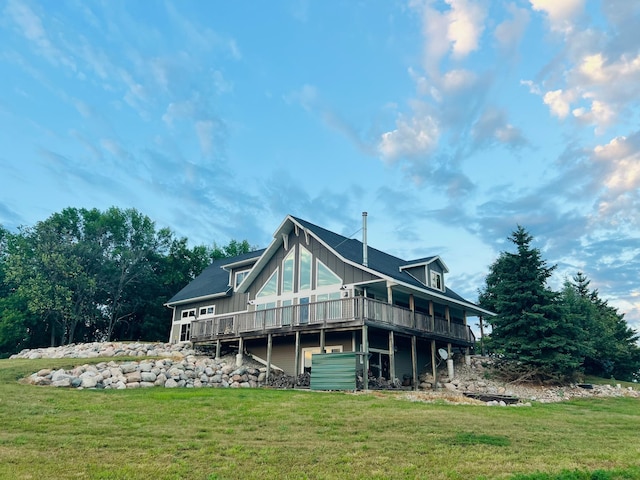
x=86 y=275
x=541 y=334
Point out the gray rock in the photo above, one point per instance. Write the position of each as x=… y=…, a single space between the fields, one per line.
x=171 y=383
x=133 y=377
x=148 y=376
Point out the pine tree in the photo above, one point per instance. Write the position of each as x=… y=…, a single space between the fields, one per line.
x=529 y=328
x=611 y=348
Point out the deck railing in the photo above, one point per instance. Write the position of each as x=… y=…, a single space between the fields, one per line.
x=326 y=313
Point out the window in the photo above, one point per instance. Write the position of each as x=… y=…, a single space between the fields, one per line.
x=307 y=352
x=266 y=312
x=436 y=280
x=207 y=312
x=329 y=310
x=287 y=312
x=185 y=332
x=270 y=287
x=304 y=310
x=304 y=270
x=186 y=314
x=240 y=276
x=287 y=272
x=325 y=277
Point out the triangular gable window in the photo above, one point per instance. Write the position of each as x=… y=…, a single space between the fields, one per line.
x=326 y=277
x=270 y=287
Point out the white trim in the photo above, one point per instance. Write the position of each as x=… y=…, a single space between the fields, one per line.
x=198 y=299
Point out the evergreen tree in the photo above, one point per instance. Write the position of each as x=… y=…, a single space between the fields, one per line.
x=611 y=348
x=529 y=327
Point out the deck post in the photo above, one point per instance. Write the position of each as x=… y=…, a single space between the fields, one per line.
x=239 y=355
x=467 y=356
x=269 y=348
x=297 y=361
x=218 y=349
x=447 y=315
x=432 y=316
x=392 y=357
x=414 y=362
x=365 y=349
x=434 y=369
x=412 y=307
x=322 y=349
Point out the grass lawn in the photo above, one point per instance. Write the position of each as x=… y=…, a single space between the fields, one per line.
x=48 y=433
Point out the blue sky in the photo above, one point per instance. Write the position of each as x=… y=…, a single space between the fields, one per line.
x=450 y=122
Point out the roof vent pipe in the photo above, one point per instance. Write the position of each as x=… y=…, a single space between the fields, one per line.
x=365 y=259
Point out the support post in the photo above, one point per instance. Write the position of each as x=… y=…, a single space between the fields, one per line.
x=434 y=370
x=481 y=336
x=432 y=316
x=322 y=349
x=412 y=307
x=239 y=355
x=365 y=359
x=218 y=350
x=447 y=315
x=269 y=348
x=392 y=357
x=297 y=348
x=414 y=362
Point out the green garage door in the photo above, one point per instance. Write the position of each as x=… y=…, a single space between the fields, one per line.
x=333 y=371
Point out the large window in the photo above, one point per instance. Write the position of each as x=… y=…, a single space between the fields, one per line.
x=270 y=287
x=288 y=265
x=331 y=310
x=325 y=277
x=266 y=312
x=304 y=272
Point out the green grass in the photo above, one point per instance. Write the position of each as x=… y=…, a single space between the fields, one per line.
x=207 y=434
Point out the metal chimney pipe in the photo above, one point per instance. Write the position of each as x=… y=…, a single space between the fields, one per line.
x=365 y=253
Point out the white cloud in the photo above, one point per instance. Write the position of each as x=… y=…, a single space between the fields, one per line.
x=458 y=79
x=559 y=102
x=411 y=138
x=619 y=166
x=561 y=13
x=510 y=32
x=466 y=24
x=457 y=30
x=30 y=25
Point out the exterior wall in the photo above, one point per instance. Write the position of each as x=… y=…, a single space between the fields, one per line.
x=420 y=273
x=283 y=348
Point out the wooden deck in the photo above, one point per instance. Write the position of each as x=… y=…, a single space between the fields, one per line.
x=332 y=314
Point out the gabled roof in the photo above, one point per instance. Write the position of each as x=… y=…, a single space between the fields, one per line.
x=214 y=280
x=423 y=262
x=350 y=250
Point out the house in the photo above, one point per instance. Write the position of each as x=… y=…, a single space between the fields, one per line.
x=315 y=291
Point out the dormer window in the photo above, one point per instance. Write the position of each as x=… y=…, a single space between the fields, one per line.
x=436 y=280
x=240 y=276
